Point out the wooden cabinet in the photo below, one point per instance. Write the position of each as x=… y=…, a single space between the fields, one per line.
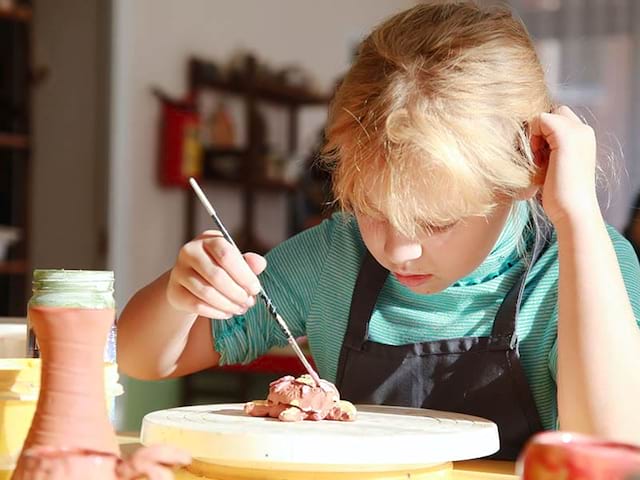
x=15 y=155
x=250 y=178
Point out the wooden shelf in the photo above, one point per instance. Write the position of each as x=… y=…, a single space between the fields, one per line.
x=263 y=88
x=13 y=267
x=258 y=184
x=222 y=85
x=265 y=184
x=213 y=170
x=224 y=152
x=19 y=14
x=14 y=140
x=274 y=185
x=287 y=95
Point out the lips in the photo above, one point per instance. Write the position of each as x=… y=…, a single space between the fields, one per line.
x=412 y=280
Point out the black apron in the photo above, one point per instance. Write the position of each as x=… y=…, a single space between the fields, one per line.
x=479 y=376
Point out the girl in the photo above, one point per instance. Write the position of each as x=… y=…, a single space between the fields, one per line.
x=471 y=269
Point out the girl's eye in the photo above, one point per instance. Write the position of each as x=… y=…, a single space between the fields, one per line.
x=431 y=229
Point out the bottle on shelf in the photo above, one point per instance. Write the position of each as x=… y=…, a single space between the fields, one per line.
x=222 y=133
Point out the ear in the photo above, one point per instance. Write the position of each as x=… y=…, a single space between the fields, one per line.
x=528 y=193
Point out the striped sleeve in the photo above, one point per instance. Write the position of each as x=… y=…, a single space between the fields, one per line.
x=290 y=279
x=630 y=269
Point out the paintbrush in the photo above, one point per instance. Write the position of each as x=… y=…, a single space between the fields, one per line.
x=263 y=295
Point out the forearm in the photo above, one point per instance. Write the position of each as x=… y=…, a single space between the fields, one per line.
x=598 y=338
x=152 y=335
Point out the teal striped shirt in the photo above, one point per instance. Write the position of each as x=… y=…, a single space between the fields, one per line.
x=311 y=278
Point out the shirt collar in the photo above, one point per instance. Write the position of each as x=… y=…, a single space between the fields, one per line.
x=505 y=253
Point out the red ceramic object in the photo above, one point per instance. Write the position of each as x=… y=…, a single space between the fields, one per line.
x=569 y=456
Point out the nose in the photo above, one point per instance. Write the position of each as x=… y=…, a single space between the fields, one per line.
x=400 y=249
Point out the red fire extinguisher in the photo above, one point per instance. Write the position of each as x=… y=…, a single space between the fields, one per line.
x=180 y=149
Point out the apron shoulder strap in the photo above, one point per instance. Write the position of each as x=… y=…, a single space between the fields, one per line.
x=370 y=281
x=503 y=335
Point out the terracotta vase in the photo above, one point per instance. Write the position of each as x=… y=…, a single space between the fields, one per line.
x=71 y=437
x=72 y=413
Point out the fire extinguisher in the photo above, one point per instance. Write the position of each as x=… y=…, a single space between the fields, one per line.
x=180 y=148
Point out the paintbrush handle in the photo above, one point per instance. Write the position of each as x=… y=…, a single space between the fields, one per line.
x=262 y=294
x=287 y=333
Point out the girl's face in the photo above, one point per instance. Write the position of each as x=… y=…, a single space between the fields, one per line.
x=432 y=262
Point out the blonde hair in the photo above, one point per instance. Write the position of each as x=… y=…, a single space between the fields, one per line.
x=437 y=101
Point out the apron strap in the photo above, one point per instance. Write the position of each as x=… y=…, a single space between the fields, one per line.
x=370 y=281
x=503 y=335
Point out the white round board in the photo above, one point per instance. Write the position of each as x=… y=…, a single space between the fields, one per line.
x=382 y=438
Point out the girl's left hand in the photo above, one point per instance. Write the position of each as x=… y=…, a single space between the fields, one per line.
x=565 y=151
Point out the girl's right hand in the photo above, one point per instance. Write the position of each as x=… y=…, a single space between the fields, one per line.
x=212 y=279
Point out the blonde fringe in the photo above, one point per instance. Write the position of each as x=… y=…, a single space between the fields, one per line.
x=438 y=102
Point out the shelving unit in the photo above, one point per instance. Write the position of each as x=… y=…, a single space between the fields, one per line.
x=249 y=179
x=13 y=140
x=15 y=152
x=13 y=267
x=251 y=85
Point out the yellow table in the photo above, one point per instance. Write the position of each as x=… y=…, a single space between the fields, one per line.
x=470 y=470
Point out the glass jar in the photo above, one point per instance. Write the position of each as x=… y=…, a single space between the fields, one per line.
x=83 y=289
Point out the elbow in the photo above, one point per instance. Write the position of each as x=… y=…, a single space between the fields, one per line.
x=135 y=364
x=137 y=370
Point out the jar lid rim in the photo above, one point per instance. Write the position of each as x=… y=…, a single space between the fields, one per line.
x=71 y=275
